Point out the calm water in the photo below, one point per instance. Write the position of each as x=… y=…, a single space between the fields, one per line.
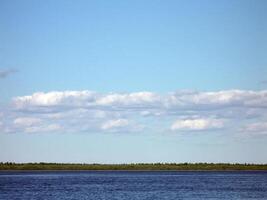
x=133 y=185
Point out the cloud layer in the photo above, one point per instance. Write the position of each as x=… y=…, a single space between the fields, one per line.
x=180 y=111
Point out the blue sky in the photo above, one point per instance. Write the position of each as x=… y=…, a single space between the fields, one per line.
x=133 y=81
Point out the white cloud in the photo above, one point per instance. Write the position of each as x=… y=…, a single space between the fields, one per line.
x=196 y=124
x=131 y=99
x=79 y=111
x=89 y=99
x=71 y=98
x=220 y=99
x=111 y=124
x=33 y=125
x=41 y=129
x=145 y=113
x=26 y=121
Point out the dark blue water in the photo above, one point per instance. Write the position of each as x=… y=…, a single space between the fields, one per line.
x=119 y=185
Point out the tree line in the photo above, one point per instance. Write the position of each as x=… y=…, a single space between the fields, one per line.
x=132 y=166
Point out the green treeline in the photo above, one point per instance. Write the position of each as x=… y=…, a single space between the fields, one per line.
x=137 y=166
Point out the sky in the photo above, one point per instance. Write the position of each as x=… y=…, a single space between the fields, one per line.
x=133 y=81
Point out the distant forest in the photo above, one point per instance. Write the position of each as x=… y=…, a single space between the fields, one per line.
x=137 y=166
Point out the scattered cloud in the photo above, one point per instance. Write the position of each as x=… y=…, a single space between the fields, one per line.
x=196 y=124
x=118 y=123
x=33 y=125
x=66 y=98
x=89 y=111
x=43 y=129
x=258 y=127
x=26 y=121
x=6 y=72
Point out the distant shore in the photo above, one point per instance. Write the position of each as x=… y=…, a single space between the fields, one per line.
x=135 y=167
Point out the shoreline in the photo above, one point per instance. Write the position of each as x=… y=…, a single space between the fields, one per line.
x=132 y=167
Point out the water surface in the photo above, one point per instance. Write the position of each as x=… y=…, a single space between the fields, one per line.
x=109 y=185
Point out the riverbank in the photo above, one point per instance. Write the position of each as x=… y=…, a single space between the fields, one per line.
x=138 y=166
